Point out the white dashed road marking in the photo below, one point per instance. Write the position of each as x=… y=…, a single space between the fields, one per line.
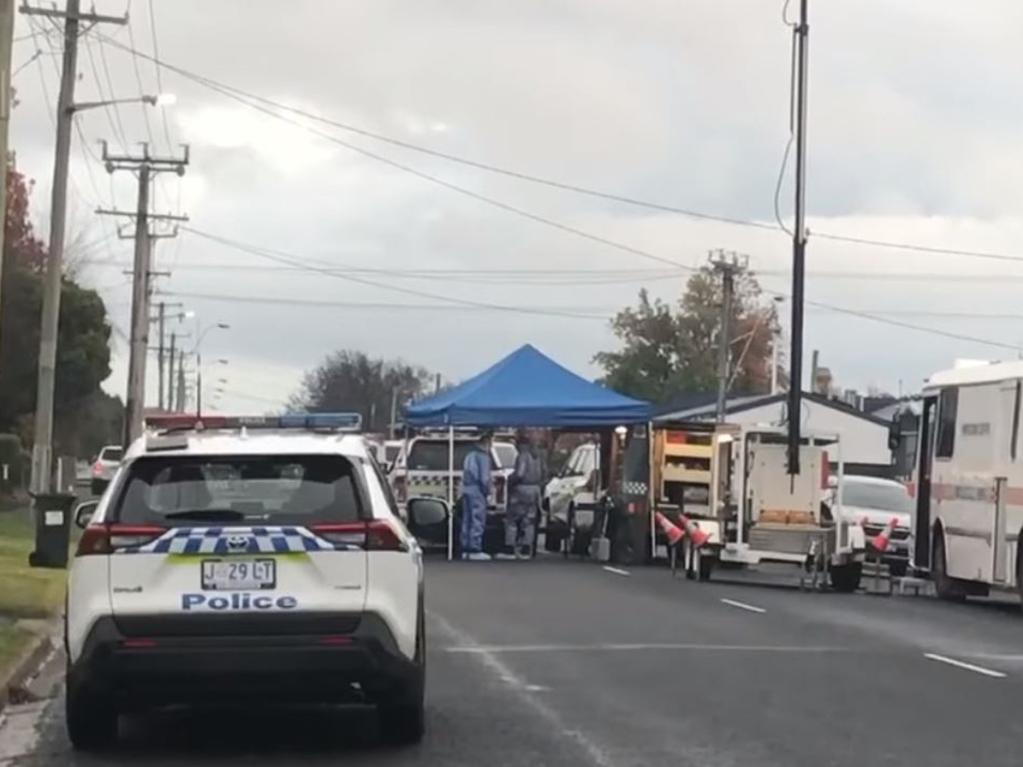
x=496 y=649
x=616 y=571
x=965 y=665
x=744 y=606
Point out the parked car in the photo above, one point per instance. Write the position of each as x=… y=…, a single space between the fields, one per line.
x=104 y=468
x=244 y=564
x=570 y=499
x=424 y=473
x=873 y=502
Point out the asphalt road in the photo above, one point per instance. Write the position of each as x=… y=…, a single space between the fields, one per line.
x=573 y=664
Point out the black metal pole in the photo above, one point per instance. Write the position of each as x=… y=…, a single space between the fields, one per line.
x=798 y=246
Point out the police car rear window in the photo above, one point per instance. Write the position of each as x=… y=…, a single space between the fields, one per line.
x=189 y=490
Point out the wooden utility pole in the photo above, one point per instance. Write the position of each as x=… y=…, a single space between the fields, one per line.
x=6 y=44
x=145 y=166
x=727 y=264
x=42 y=446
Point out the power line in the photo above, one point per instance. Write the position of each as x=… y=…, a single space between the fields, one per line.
x=113 y=111
x=275 y=255
x=159 y=77
x=297 y=261
x=577 y=311
x=911 y=326
x=241 y=96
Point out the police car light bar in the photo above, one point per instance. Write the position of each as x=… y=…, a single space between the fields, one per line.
x=312 y=421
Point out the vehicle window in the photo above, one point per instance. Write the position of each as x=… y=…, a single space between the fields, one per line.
x=870 y=495
x=506 y=455
x=574 y=465
x=433 y=455
x=190 y=490
x=390 y=453
x=111 y=454
x=586 y=463
x=947 y=406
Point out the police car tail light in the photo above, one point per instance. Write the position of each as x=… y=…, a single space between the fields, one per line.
x=105 y=539
x=382 y=536
x=372 y=535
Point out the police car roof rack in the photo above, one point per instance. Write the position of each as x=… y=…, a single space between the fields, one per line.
x=321 y=422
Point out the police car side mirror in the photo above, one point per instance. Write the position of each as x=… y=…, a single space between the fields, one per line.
x=84 y=513
x=427 y=512
x=428 y=520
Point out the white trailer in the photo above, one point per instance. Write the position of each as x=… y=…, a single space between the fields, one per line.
x=757 y=512
x=968 y=484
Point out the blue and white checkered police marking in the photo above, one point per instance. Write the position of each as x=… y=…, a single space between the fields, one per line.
x=237 y=540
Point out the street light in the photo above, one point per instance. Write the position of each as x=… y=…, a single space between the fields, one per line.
x=200 y=334
x=160 y=99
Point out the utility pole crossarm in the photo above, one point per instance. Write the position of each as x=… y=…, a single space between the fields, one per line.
x=134 y=214
x=91 y=17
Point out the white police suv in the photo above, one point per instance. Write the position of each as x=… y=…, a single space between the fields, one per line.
x=244 y=559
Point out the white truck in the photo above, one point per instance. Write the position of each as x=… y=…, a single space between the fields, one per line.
x=732 y=482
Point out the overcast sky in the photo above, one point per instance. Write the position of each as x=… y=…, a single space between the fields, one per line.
x=914 y=136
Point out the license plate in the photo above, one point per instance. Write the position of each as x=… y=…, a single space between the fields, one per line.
x=238 y=574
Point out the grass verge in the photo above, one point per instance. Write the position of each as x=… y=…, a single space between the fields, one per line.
x=25 y=592
x=13 y=641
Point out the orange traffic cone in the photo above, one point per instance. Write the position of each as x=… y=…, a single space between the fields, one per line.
x=880 y=541
x=697 y=536
x=673 y=532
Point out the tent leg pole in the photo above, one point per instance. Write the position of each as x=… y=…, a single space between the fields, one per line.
x=451 y=492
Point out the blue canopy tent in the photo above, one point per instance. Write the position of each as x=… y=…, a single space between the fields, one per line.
x=526 y=388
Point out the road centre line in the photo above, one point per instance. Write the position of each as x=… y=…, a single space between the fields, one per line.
x=489 y=650
x=965 y=665
x=616 y=570
x=744 y=606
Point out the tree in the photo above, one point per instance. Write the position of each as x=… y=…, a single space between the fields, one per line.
x=667 y=351
x=349 y=380
x=83 y=343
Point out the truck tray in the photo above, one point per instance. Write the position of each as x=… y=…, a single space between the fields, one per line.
x=790 y=539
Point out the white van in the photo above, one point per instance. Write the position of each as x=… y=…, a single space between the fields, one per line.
x=968 y=484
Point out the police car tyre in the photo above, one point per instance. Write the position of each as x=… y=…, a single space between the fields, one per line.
x=91 y=720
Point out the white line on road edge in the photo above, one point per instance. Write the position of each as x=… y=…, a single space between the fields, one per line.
x=527 y=648
x=744 y=606
x=616 y=570
x=965 y=665
x=597 y=755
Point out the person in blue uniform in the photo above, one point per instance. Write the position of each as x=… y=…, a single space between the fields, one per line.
x=476 y=484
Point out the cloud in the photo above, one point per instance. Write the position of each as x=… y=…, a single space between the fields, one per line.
x=911 y=138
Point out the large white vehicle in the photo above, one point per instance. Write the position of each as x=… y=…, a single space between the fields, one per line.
x=732 y=483
x=247 y=559
x=759 y=513
x=968 y=484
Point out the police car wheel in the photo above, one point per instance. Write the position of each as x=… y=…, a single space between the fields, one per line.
x=91 y=721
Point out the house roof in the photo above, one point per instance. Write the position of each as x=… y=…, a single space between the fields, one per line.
x=741 y=404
